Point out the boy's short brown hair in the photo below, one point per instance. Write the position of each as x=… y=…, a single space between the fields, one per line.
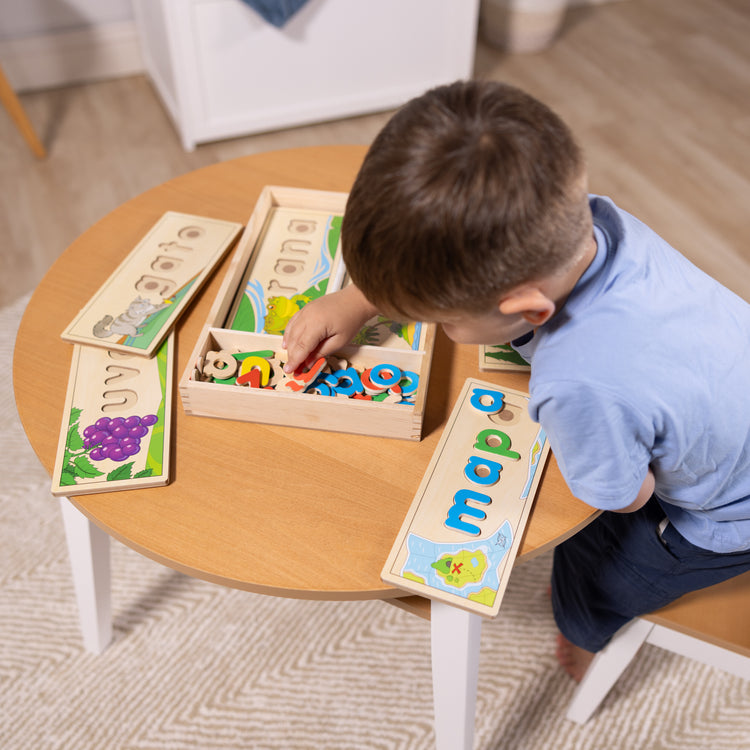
x=468 y=191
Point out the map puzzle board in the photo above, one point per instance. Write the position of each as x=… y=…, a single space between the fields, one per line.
x=464 y=528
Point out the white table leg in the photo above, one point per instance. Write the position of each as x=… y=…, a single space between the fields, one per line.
x=88 y=549
x=455 y=667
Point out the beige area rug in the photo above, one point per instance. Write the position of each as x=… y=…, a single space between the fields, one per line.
x=194 y=665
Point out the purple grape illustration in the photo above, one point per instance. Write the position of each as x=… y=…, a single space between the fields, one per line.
x=116 y=439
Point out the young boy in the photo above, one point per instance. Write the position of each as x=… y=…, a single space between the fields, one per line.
x=471 y=210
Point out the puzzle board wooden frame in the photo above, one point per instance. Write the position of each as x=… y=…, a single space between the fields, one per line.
x=141 y=300
x=308 y=410
x=465 y=524
x=112 y=385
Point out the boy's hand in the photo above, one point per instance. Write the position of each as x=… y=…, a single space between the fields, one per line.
x=325 y=325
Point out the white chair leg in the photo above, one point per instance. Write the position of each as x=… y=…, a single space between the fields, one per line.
x=700 y=650
x=606 y=668
x=88 y=549
x=455 y=636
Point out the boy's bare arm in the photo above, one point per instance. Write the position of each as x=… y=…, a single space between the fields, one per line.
x=325 y=325
x=644 y=494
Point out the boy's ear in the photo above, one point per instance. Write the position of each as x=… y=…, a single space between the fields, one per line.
x=530 y=302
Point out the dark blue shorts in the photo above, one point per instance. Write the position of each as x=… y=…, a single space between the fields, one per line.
x=620 y=567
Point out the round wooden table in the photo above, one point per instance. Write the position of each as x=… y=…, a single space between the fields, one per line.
x=275 y=510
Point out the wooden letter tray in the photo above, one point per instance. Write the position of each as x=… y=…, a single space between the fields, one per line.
x=289 y=254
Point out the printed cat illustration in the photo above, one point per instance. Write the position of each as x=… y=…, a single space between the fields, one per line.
x=128 y=323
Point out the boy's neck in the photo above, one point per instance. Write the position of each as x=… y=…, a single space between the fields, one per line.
x=560 y=287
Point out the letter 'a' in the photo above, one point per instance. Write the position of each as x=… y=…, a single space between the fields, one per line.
x=487 y=401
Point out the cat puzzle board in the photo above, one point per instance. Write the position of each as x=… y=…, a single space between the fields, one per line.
x=464 y=528
x=137 y=306
x=115 y=433
x=288 y=255
x=501 y=357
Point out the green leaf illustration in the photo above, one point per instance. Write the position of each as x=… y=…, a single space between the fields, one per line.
x=85 y=469
x=145 y=473
x=121 y=472
x=67 y=478
x=334 y=232
x=75 y=441
x=74 y=415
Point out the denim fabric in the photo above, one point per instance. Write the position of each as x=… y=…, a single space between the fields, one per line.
x=620 y=567
x=276 y=12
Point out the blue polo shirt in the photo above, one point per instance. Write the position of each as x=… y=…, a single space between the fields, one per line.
x=648 y=364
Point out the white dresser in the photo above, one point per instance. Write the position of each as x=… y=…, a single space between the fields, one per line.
x=223 y=71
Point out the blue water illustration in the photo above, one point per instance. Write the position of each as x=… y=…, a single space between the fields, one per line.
x=322 y=268
x=534 y=456
x=257 y=297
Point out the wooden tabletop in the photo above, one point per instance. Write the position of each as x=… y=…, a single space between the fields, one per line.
x=275 y=510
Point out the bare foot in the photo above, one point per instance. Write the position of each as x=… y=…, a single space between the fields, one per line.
x=573 y=659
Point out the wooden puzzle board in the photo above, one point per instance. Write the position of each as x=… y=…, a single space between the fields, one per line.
x=137 y=306
x=297 y=259
x=115 y=433
x=501 y=357
x=464 y=527
x=388 y=333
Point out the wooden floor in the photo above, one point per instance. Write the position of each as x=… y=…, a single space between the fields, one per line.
x=658 y=92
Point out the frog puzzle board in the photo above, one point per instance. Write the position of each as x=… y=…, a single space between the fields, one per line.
x=501 y=357
x=115 y=431
x=464 y=527
x=297 y=259
x=137 y=306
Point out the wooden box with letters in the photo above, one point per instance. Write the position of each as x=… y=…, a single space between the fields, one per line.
x=288 y=255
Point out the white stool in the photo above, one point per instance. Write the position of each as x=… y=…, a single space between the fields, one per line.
x=711 y=626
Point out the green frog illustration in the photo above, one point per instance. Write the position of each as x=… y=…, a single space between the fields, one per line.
x=279 y=311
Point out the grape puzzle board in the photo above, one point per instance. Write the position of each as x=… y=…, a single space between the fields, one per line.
x=137 y=306
x=501 y=357
x=115 y=432
x=464 y=527
x=288 y=255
